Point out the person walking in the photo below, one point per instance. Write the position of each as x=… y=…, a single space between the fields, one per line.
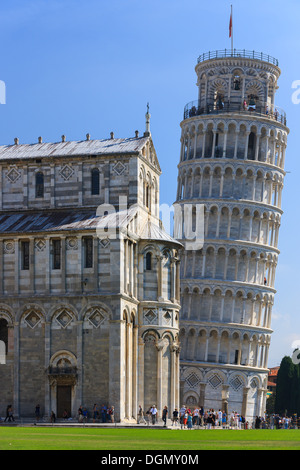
x=111 y=413
x=209 y=421
x=190 y=421
x=181 y=415
x=84 y=415
x=95 y=412
x=201 y=413
x=10 y=414
x=165 y=415
x=103 y=413
x=224 y=419
x=185 y=418
x=153 y=413
x=52 y=417
x=141 y=417
x=80 y=414
x=195 y=415
x=37 y=413
x=175 y=417
x=220 y=415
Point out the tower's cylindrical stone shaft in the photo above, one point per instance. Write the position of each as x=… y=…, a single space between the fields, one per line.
x=230 y=178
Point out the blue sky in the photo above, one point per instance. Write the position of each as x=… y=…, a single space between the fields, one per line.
x=72 y=67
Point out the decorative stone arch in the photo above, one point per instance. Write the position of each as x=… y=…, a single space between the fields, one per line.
x=237 y=382
x=191 y=399
x=95 y=315
x=218 y=83
x=193 y=128
x=62 y=375
x=221 y=125
x=278 y=134
x=232 y=125
x=200 y=128
x=254 y=127
x=255 y=87
x=215 y=380
x=197 y=169
x=153 y=249
x=7 y=314
x=6 y=339
x=142 y=172
x=243 y=377
x=257 y=379
x=209 y=123
x=63 y=355
x=32 y=315
x=170 y=336
x=126 y=314
x=239 y=170
x=254 y=386
x=243 y=126
x=151 y=332
x=63 y=315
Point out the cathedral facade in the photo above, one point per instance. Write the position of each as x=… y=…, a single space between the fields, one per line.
x=89 y=285
x=233 y=144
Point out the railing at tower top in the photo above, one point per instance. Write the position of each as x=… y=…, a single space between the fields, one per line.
x=197 y=108
x=237 y=53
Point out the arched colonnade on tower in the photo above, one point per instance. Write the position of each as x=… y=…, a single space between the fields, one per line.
x=230 y=139
x=213 y=303
x=224 y=346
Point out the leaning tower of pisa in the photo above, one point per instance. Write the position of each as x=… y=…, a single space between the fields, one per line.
x=233 y=146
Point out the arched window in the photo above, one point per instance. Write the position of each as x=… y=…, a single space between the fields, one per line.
x=236 y=82
x=147 y=202
x=39 y=184
x=95 y=183
x=3 y=340
x=251 y=146
x=148 y=261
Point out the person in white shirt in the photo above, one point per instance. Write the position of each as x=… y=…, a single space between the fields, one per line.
x=196 y=417
x=153 y=413
x=220 y=416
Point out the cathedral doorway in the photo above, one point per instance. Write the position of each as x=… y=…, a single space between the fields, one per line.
x=62 y=374
x=63 y=400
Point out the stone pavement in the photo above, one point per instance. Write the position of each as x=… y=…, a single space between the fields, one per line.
x=75 y=424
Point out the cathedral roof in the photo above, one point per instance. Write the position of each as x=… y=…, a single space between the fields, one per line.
x=68 y=220
x=154 y=232
x=44 y=221
x=73 y=148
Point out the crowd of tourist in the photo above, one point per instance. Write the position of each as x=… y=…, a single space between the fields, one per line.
x=104 y=414
x=183 y=418
x=186 y=418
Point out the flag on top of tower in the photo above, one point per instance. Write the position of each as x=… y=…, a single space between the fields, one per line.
x=230 y=24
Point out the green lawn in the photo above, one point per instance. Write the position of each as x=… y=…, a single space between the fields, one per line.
x=38 y=438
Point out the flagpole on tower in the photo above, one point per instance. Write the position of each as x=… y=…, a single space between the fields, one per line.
x=231 y=31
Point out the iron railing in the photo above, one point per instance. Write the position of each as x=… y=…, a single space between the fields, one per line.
x=238 y=53
x=62 y=370
x=197 y=108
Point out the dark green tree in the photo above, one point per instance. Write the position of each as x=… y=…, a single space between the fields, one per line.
x=286 y=391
